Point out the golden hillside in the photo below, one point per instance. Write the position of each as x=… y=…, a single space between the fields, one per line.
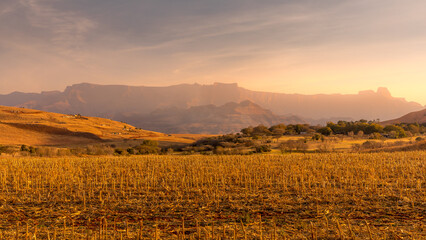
x=34 y=127
x=413 y=117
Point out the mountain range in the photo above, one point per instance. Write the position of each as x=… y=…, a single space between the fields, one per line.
x=189 y=107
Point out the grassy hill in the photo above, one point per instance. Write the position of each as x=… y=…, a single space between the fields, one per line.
x=413 y=117
x=34 y=127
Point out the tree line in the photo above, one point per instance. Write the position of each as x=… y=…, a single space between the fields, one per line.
x=361 y=128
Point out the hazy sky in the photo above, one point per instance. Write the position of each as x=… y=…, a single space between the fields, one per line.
x=299 y=46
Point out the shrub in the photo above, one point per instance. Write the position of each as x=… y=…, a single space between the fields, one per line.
x=99 y=150
x=376 y=135
x=317 y=137
x=119 y=151
x=290 y=145
x=218 y=150
x=263 y=148
x=6 y=149
x=371 y=145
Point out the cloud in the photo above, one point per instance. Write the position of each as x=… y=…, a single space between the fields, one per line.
x=7 y=7
x=67 y=29
x=5 y=11
x=191 y=27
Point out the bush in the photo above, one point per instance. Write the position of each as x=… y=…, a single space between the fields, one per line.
x=150 y=143
x=325 y=147
x=290 y=145
x=131 y=151
x=317 y=137
x=6 y=149
x=169 y=151
x=99 y=150
x=119 y=151
x=46 y=151
x=263 y=148
x=376 y=135
x=147 y=147
x=371 y=145
x=219 y=150
x=356 y=147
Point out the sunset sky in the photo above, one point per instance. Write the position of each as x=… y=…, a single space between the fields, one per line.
x=327 y=46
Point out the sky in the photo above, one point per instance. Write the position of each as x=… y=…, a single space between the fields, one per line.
x=299 y=46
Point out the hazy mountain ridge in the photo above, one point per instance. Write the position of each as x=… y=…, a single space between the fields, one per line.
x=413 y=117
x=364 y=105
x=125 y=103
x=209 y=119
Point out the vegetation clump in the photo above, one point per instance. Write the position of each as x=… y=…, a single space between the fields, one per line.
x=147 y=147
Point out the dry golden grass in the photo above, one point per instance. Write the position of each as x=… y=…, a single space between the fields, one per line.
x=296 y=196
x=33 y=127
x=193 y=137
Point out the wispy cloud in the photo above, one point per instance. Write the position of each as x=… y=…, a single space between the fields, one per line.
x=7 y=6
x=67 y=29
x=5 y=11
x=208 y=28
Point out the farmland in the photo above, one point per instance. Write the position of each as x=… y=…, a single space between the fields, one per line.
x=292 y=196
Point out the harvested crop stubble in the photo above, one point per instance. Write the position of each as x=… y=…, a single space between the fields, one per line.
x=295 y=196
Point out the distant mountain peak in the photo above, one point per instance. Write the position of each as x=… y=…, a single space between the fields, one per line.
x=384 y=92
x=225 y=84
x=248 y=103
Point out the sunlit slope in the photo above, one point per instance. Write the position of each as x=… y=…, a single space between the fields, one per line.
x=413 y=117
x=34 y=127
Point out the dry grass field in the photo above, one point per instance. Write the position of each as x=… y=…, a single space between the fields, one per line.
x=294 y=196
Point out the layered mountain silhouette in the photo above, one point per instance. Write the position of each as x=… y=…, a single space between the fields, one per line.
x=124 y=103
x=413 y=117
x=208 y=119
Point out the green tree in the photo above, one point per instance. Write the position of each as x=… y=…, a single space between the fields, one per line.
x=277 y=130
x=326 y=131
x=261 y=130
x=395 y=131
x=373 y=128
x=248 y=131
